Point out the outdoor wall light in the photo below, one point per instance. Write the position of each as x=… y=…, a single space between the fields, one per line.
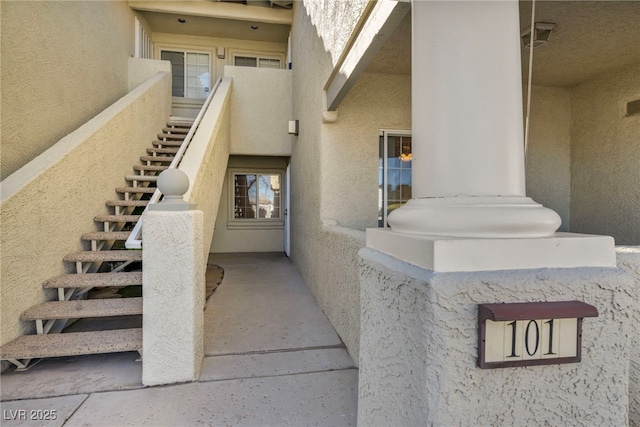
x=294 y=126
x=541 y=34
x=220 y=52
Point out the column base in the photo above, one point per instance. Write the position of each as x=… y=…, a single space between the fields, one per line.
x=449 y=254
x=481 y=217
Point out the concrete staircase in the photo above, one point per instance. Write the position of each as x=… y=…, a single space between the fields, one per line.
x=105 y=265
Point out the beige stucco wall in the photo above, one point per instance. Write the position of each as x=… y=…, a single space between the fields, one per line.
x=255 y=238
x=350 y=148
x=419 y=348
x=52 y=200
x=549 y=150
x=322 y=256
x=205 y=162
x=605 y=158
x=628 y=258
x=260 y=111
x=62 y=63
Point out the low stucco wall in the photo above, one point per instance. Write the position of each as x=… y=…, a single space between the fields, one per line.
x=418 y=348
x=336 y=286
x=205 y=162
x=260 y=111
x=628 y=258
x=52 y=200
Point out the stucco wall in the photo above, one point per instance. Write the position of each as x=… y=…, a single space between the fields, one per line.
x=52 y=200
x=62 y=63
x=251 y=239
x=419 y=348
x=260 y=111
x=205 y=162
x=629 y=259
x=549 y=150
x=319 y=33
x=350 y=148
x=605 y=153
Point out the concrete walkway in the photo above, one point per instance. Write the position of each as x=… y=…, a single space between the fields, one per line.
x=272 y=359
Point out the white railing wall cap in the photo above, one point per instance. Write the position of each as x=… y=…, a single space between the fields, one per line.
x=173 y=183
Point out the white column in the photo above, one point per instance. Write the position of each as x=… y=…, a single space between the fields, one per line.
x=467 y=127
x=470 y=211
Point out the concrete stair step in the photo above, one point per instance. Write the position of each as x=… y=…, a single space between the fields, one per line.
x=182 y=130
x=173 y=136
x=162 y=150
x=181 y=122
x=145 y=190
x=150 y=168
x=164 y=159
x=117 y=218
x=167 y=143
x=73 y=344
x=103 y=256
x=128 y=203
x=84 y=308
x=141 y=178
x=95 y=280
x=108 y=236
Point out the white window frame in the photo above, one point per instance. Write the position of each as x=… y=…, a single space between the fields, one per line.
x=253 y=223
x=259 y=56
x=185 y=52
x=382 y=198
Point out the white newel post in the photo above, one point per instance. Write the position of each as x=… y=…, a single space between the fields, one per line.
x=173 y=286
x=468 y=152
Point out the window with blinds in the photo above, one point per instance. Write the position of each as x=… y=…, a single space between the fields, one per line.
x=190 y=73
x=255 y=61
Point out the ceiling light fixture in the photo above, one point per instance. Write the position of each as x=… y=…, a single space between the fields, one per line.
x=542 y=32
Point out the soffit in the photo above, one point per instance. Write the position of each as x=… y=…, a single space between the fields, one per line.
x=216 y=27
x=592 y=38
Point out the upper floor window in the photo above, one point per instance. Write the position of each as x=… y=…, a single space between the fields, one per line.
x=256 y=61
x=190 y=73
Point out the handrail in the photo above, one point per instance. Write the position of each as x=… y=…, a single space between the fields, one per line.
x=135 y=239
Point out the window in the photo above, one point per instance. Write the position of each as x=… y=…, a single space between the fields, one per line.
x=190 y=73
x=394 y=173
x=257 y=196
x=253 y=61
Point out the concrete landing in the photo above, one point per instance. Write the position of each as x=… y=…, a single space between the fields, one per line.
x=272 y=359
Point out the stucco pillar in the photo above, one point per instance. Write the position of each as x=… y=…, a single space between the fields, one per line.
x=174 y=289
x=468 y=151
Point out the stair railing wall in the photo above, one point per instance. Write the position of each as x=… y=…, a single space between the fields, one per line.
x=46 y=202
x=135 y=238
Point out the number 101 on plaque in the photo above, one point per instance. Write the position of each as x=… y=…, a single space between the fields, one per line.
x=535 y=333
x=530 y=339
